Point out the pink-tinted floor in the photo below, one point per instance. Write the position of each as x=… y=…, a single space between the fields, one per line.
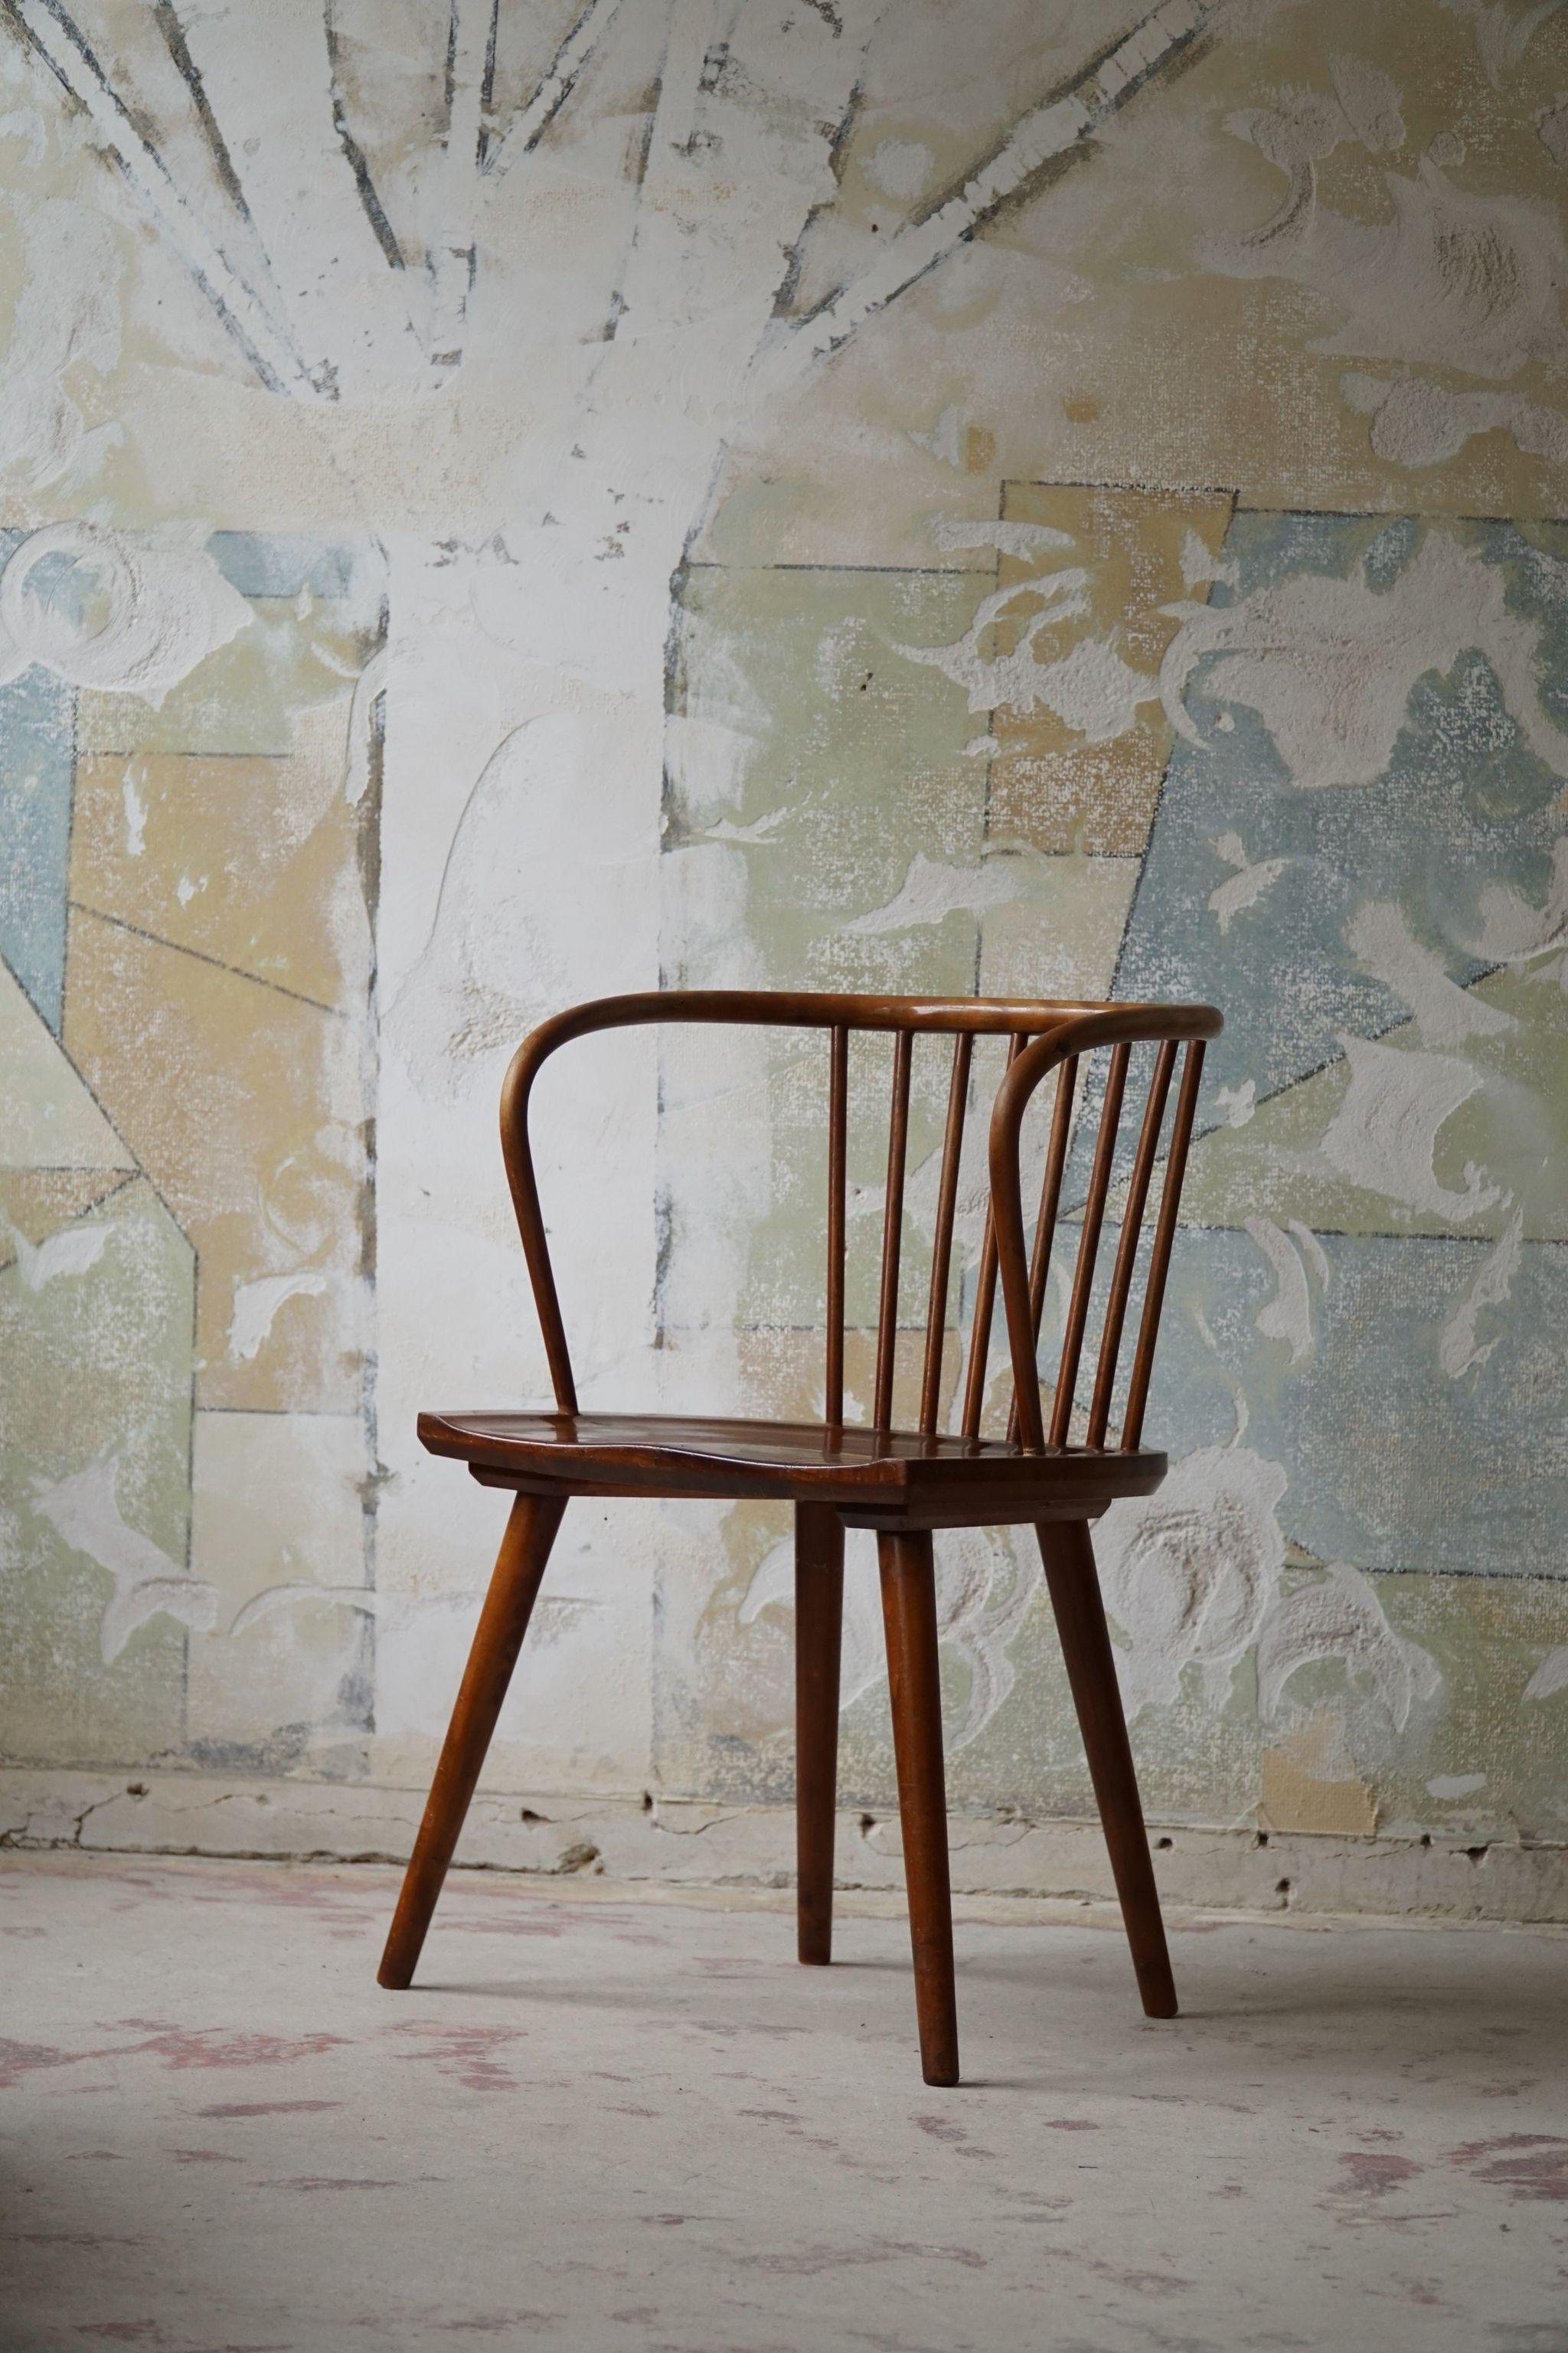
x=599 y=2122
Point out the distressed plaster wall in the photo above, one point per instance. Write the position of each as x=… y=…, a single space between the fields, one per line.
x=504 y=504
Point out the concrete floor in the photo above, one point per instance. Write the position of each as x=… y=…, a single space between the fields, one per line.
x=606 y=2122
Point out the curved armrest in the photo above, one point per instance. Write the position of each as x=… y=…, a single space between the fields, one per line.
x=1120 y=1026
x=1044 y=1033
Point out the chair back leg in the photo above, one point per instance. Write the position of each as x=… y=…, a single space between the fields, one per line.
x=818 y=1644
x=503 y=1622
x=1074 y=1584
x=909 y=1616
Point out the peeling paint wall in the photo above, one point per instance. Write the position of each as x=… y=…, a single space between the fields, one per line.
x=505 y=503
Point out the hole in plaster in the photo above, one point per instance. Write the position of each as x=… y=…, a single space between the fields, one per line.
x=1261 y=1839
x=1425 y=1838
x=136 y=1788
x=1475 y=1852
x=868 y=1823
x=1164 y=1841
x=1281 y=1887
x=648 y=1801
x=528 y=1814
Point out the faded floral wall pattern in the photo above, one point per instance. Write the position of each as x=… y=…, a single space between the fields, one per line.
x=507 y=502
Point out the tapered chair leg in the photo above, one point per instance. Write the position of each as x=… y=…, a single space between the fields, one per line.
x=818 y=1643
x=503 y=1622
x=1074 y=1584
x=909 y=1615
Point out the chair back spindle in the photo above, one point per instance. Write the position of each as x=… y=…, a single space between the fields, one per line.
x=1050 y=1201
x=1089 y=1246
x=984 y=1299
x=837 y=1177
x=941 y=1238
x=892 y=1231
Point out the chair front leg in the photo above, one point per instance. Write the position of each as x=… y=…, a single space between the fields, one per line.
x=909 y=1616
x=1074 y=1584
x=503 y=1622
x=818 y=1644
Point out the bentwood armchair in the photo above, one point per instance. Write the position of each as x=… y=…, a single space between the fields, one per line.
x=1057 y=1467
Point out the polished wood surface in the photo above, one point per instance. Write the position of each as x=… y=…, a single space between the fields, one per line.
x=1043 y=1033
x=941 y=1237
x=914 y=1684
x=891 y=1470
x=1160 y=1254
x=1117 y=1027
x=1127 y=1250
x=819 y=1647
x=1087 y=1252
x=1050 y=1202
x=1051 y=1461
x=986 y=1308
x=1090 y=1659
x=837 y=1177
x=893 y=1232
x=503 y=1622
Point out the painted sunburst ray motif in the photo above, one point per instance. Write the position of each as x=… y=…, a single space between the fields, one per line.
x=324 y=193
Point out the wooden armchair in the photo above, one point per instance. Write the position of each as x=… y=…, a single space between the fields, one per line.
x=1057 y=1467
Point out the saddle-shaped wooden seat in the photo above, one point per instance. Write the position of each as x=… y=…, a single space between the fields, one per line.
x=935 y=1478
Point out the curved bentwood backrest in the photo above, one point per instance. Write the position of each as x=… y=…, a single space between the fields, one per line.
x=1042 y=1038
